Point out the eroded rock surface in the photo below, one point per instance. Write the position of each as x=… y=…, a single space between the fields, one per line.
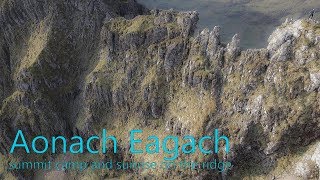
x=73 y=68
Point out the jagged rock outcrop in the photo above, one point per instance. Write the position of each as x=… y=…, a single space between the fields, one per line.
x=74 y=67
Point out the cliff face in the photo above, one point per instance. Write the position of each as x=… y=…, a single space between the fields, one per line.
x=79 y=66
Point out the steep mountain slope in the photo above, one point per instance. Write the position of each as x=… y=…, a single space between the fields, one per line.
x=73 y=68
x=46 y=49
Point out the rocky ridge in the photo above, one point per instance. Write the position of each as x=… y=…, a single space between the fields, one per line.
x=76 y=67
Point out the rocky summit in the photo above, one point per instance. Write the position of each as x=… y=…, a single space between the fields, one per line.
x=78 y=66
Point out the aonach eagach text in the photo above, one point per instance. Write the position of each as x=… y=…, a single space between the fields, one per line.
x=77 y=144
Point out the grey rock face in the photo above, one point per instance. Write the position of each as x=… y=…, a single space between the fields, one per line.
x=233 y=48
x=315 y=81
x=74 y=67
x=282 y=39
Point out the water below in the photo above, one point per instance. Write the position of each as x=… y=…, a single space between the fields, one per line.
x=253 y=21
